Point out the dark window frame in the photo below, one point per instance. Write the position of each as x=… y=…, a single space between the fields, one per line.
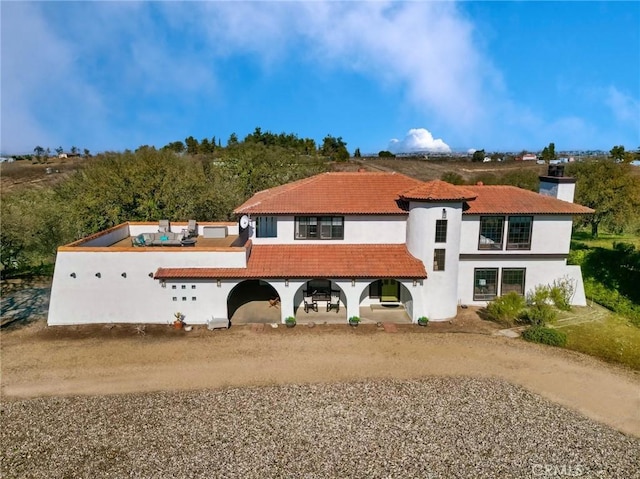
x=439 y=256
x=441 y=231
x=318 y=228
x=479 y=287
x=489 y=232
x=519 y=232
x=507 y=272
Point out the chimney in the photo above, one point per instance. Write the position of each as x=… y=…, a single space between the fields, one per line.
x=557 y=185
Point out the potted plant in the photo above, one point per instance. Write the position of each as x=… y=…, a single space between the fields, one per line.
x=354 y=320
x=179 y=321
x=290 y=322
x=423 y=321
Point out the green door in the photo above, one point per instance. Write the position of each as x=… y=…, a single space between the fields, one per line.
x=389 y=290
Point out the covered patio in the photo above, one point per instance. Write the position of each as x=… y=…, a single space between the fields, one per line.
x=261 y=311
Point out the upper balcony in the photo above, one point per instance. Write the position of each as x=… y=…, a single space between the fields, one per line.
x=147 y=237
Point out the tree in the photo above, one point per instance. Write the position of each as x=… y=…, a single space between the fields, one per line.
x=175 y=146
x=334 y=148
x=478 y=156
x=617 y=153
x=192 y=145
x=386 y=154
x=59 y=150
x=611 y=189
x=205 y=147
x=356 y=154
x=549 y=153
x=87 y=153
x=233 y=139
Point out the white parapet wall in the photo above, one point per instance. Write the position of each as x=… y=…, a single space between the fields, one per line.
x=118 y=286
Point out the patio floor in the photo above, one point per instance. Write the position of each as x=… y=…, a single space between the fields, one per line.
x=263 y=312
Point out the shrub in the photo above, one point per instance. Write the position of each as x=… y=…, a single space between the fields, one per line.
x=423 y=321
x=542 y=335
x=561 y=292
x=506 y=309
x=539 y=314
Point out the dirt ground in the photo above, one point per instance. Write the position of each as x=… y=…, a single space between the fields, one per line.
x=111 y=359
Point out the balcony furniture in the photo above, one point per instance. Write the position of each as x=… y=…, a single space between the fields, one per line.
x=310 y=303
x=188 y=242
x=163 y=226
x=192 y=229
x=334 y=303
x=214 y=231
x=158 y=239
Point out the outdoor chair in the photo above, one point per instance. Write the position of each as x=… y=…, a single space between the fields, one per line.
x=334 y=303
x=163 y=226
x=192 y=229
x=309 y=303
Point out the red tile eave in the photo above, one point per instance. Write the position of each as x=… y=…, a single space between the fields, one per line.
x=364 y=193
x=314 y=261
x=502 y=199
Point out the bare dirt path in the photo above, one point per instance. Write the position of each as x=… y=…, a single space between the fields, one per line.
x=97 y=360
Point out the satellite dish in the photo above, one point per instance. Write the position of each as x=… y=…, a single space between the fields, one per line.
x=244 y=221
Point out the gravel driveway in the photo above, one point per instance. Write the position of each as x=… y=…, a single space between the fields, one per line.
x=430 y=428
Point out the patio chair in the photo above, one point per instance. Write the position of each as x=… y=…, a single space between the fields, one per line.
x=192 y=229
x=334 y=303
x=309 y=303
x=163 y=226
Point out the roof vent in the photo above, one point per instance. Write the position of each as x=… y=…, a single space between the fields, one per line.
x=479 y=183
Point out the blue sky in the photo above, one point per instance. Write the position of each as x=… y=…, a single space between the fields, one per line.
x=381 y=75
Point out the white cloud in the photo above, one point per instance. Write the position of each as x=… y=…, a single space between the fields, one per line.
x=419 y=139
x=624 y=108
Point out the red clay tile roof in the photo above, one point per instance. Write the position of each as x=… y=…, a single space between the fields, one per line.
x=315 y=261
x=438 y=190
x=380 y=193
x=502 y=199
x=334 y=193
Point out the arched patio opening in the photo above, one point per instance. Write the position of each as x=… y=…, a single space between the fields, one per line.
x=386 y=299
x=253 y=301
x=320 y=300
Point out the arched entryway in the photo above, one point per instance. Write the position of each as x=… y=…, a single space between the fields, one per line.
x=253 y=301
x=386 y=300
x=320 y=300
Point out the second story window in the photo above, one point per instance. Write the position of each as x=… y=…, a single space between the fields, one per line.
x=519 y=235
x=266 y=227
x=319 y=227
x=491 y=231
x=441 y=231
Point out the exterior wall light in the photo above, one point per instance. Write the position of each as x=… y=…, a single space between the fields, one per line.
x=124 y=275
x=444 y=214
x=219 y=283
x=415 y=283
x=150 y=275
x=286 y=283
x=353 y=282
x=98 y=275
x=73 y=275
x=163 y=283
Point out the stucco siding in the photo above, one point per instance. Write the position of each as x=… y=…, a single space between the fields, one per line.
x=538 y=272
x=550 y=234
x=358 y=229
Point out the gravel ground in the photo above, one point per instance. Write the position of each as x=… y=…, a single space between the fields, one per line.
x=431 y=428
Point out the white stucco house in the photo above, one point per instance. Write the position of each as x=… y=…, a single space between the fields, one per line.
x=346 y=240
